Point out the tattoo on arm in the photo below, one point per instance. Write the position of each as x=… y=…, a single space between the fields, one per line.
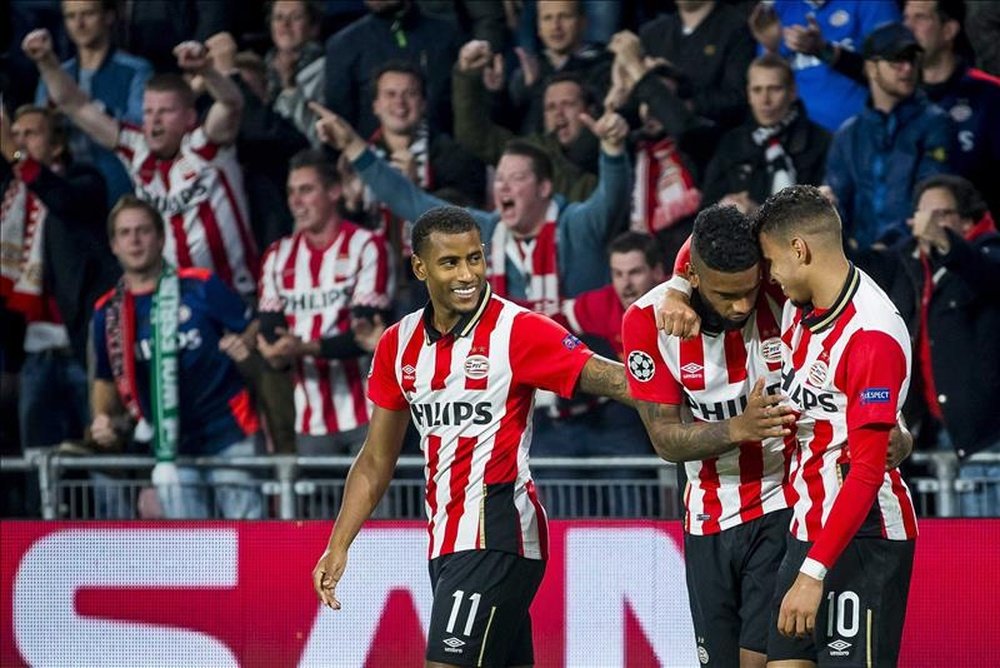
x=678 y=442
x=605 y=378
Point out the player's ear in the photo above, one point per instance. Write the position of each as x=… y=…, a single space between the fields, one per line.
x=801 y=249
x=419 y=268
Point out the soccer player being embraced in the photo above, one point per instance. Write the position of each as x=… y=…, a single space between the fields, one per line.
x=716 y=355
x=466 y=367
x=737 y=452
x=843 y=584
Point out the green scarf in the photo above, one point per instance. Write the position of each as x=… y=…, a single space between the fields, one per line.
x=164 y=395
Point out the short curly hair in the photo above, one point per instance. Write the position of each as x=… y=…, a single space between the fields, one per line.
x=444 y=219
x=723 y=239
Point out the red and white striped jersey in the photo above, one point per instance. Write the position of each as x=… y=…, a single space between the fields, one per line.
x=200 y=195
x=714 y=374
x=316 y=288
x=471 y=393
x=842 y=369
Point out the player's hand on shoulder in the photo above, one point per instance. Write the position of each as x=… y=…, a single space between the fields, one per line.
x=766 y=416
x=675 y=317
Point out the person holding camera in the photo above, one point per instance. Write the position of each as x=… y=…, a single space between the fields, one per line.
x=324 y=297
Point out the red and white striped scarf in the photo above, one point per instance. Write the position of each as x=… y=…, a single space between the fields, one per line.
x=535 y=259
x=665 y=191
x=22 y=226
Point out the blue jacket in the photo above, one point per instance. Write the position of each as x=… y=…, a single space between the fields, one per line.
x=582 y=228
x=215 y=409
x=118 y=85
x=830 y=97
x=876 y=159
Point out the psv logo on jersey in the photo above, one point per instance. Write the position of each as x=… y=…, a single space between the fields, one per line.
x=477 y=367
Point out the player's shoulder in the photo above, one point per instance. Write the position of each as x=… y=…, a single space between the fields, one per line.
x=645 y=306
x=875 y=310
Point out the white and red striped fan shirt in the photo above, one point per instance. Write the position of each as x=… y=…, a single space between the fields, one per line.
x=471 y=394
x=316 y=289
x=845 y=368
x=714 y=374
x=200 y=195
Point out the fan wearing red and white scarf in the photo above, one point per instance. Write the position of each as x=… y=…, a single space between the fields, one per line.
x=22 y=226
x=665 y=191
x=534 y=258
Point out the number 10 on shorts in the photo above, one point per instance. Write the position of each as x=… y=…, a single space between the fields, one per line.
x=845 y=610
x=456 y=607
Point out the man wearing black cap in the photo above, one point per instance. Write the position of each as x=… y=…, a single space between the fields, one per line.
x=899 y=138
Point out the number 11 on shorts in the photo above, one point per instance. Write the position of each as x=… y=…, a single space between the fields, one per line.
x=474 y=597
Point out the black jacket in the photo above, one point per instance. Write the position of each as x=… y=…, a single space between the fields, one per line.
x=354 y=53
x=714 y=58
x=78 y=263
x=963 y=322
x=739 y=163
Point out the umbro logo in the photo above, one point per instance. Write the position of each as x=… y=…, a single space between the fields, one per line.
x=453 y=645
x=691 y=368
x=408 y=370
x=839 y=647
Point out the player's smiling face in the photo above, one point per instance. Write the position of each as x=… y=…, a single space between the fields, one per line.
x=785 y=266
x=454 y=268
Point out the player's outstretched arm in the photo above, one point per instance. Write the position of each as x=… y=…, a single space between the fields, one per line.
x=605 y=378
x=764 y=417
x=366 y=483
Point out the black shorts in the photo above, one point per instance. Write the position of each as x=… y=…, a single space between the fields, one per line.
x=860 y=617
x=730 y=581
x=480 y=613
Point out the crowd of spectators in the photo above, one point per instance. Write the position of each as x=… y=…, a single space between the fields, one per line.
x=261 y=162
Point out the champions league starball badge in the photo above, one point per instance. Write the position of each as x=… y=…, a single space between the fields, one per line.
x=641 y=366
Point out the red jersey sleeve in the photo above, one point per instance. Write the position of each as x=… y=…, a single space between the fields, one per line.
x=383 y=386
x=874 y=371
x=683 y=259
x=543 y=354
x=649 y=378
x=873 y=375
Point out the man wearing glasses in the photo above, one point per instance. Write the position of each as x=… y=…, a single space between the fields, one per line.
x=898 y=139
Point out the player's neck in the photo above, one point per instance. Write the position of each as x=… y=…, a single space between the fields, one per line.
x=444 y=320
x=829 y=281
